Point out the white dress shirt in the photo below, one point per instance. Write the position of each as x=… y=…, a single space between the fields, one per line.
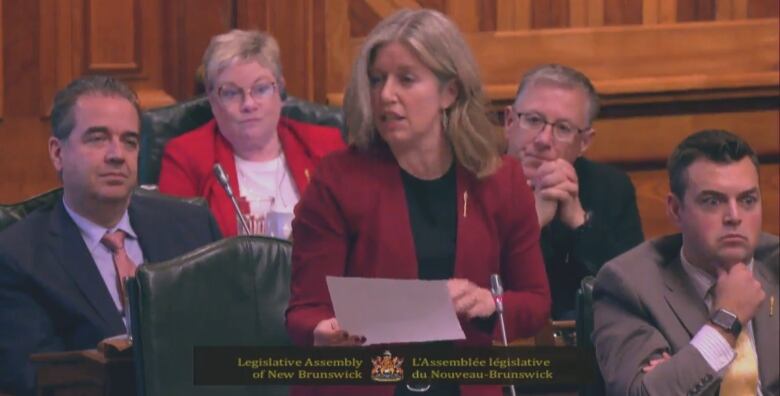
x=92 y=234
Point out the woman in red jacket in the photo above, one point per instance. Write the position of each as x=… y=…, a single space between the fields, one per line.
x=423 y=192
x=268 y=158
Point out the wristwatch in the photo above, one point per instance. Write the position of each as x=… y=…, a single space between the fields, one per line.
x=586 y=225
x=727 y=321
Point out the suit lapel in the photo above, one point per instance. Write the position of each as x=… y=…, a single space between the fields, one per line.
x=765 y=327
x=465 y=212
x=68 y=247
x=154 y=240
x=681 y=297
x=297 y=155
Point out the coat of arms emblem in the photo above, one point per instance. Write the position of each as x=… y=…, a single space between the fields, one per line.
x=387 y=368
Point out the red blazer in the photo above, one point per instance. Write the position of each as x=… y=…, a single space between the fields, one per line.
x=188 y=160
x=353 y=221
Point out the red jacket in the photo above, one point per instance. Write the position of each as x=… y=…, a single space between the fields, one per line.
x=188 y=160
x=353 y=220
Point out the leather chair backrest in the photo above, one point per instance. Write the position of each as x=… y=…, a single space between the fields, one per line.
x=230 y=293
x=584 y=327
x=11 y=213
x=160 y=125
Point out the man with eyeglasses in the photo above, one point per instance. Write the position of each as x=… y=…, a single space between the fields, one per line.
x=587 y=210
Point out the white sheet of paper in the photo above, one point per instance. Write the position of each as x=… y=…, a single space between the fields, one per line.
x=394 y=310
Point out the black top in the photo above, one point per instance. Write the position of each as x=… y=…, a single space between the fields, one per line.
x=614 y=227
x=434 y=219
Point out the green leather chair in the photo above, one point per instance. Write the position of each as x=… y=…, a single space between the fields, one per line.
x=162 y=124
x=230 y=293
x=11 y=213
x=584 y=328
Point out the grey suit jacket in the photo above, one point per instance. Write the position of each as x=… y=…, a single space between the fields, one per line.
x=644 y=304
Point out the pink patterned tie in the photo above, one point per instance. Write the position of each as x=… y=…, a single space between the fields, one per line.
x=125 y=268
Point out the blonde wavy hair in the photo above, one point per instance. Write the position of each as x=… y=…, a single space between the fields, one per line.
x=437 y=43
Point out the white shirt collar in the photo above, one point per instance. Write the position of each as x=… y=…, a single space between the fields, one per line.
x=702 y=280
x=93 y=233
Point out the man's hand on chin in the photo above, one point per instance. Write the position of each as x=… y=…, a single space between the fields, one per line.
x=556 y=181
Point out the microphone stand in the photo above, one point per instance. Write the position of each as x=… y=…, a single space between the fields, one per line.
x=222 y=177
x=497 y=291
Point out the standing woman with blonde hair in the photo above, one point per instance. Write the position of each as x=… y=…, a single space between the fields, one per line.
x=423 y=192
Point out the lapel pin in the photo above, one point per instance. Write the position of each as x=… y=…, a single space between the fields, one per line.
x=465 y=203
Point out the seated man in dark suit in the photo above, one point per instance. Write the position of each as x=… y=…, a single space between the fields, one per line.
x=694 y=313
x=587 y=210
x=61 y=268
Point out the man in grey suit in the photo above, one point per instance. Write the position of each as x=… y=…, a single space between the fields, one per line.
x=696 y=312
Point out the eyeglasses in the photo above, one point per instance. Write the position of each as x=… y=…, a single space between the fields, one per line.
x=563 y=131
x=231 y=95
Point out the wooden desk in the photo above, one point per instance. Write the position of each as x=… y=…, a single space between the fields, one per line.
x=85 y=373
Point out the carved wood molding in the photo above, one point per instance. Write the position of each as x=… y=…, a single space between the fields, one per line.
x=121 y=38
x=627 y=63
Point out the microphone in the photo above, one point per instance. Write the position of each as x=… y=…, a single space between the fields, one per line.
x=223 y=180
x=497 y=291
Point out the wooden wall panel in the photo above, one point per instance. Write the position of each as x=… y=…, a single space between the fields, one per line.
x=488 y=11
x=61 y=47
x=513 y=15
x=595 y=12
x=473 y=16
x=649 y=139
x=24 y=159
x=549 y=14
x=653 y=51
x=292 y=24
x=638 y=59
x=586 y=13
x=659 y=11
x=2 y=61
x=465 y=14
x=666 y=62
x=364 y=16
x=578 y=14
x=75 y=40
x=148 y=81
x=731 y=9
x=337 y=46
x=21 y=52
x=439 y=5
x=697 y=10
x=763 y=9
x=319 y=52
x=722 y=58
x=113 y=36
x=189 y=26
x=622 y=12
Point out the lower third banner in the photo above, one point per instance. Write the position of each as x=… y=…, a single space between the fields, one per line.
x=543 y=366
